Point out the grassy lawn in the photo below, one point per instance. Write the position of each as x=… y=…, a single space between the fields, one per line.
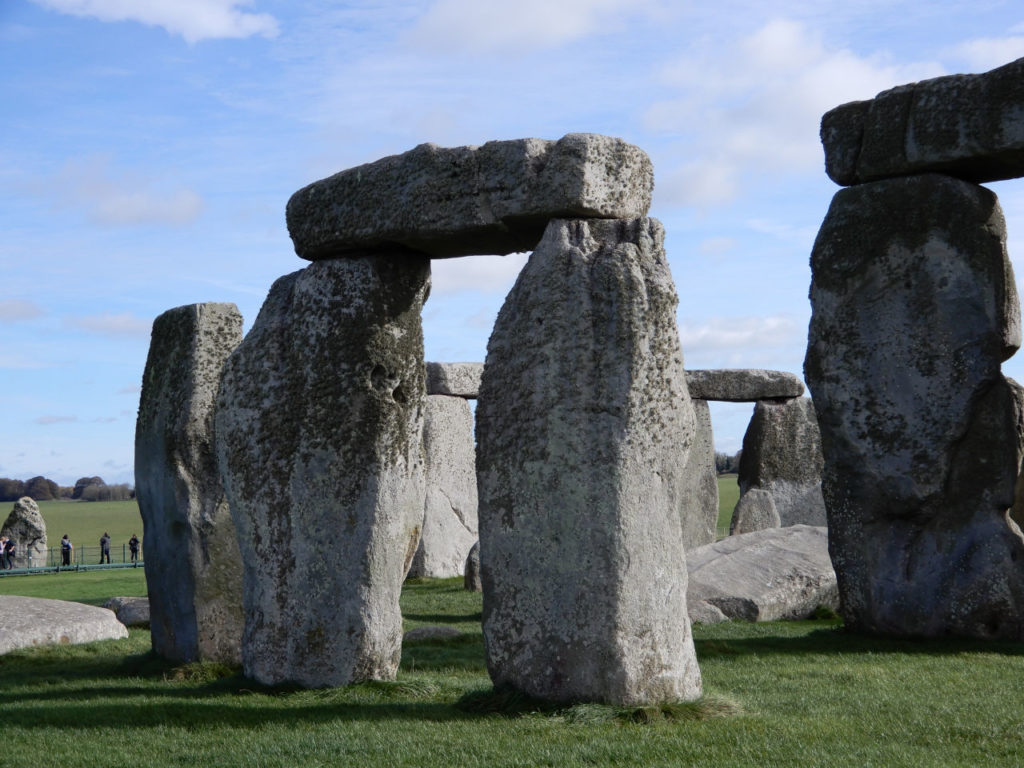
x=85 y=521
x=728 y=495
x=777 y=694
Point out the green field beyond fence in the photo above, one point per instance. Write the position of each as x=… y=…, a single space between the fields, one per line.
x=85 y=521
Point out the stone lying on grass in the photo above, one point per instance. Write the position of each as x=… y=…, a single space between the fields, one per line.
x=777 y=573
x=25 y=525
x=496 y=198
x=742 y=385
x=968 y=126
x=454 y=379
x=130 y=611
x=29 y=621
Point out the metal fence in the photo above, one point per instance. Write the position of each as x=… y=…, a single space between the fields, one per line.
x=80 y=557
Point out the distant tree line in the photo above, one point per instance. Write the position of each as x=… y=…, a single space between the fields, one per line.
x=85 y=489
x=724 y=463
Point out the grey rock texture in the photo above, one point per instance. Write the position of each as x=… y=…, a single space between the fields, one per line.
x=25 y=525
x=455 y=379
x=191 y=556
x=583 y=428
x=319 y=426
x=130 y=611
x=742 y=385
x=914 y=307
x=778 y=573
x=754 y=511
x=449 y=521
x=471 y=581
x=699 y=512
x=29 y=621
x=968 y=126
x=782 y=457
x=496 y=198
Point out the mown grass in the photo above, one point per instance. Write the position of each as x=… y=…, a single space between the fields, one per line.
x=728 y=495
x=777 y=694
x=92 y=587
x=85 y=521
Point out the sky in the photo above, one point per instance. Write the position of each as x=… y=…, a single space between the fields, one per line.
x=149 y=148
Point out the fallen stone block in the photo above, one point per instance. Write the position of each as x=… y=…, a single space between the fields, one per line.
x=492 y=199
x=776 y=573
x=742 y=385
x=968 y=126
x=30 y=621
x=130 y=611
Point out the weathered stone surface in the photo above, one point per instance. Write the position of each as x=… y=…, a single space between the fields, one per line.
x=30 y=621
x=191 y=556
x=699 y=512
x=319 y=425
x=496 y=198
x=968 y=126
x=449 y=521
x=455 y=379
x=777 y=573
x=130 y=611
x=583 y=428
x=782 y=457
x=754 y=511
x=26 y=527
x=471 y=581
x=914 y=306
x=742 y=385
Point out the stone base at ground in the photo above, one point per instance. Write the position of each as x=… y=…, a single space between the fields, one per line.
x=30 y=621
x=779 y=573
x=130 y=611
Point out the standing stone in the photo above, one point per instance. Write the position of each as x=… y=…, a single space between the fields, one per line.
x=191 y=555
x=700 y=495
x=782 y=457
x=449 y=522
x=754 y=511
x=914 y=307
x=471 y=581
x=26 y=527
x=583 y=426
x=319 y=425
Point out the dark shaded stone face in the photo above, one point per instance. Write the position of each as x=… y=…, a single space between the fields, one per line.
x=319 y=428
x=914 y=307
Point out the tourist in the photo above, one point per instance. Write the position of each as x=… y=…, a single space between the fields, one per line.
x=65 y=550
x=105 y=548
x=133 y=548
x=10 y=549
x=3 y=552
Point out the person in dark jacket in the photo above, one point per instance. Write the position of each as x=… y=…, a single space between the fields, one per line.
x=105 y=548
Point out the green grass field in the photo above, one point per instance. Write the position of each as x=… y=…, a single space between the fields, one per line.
x=85 y=521
x=776 y=694
x=728 y=495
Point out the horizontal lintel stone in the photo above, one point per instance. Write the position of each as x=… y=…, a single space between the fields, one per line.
x=493 y=199
x=967 y=126
x=742 y=385
x=454 y=379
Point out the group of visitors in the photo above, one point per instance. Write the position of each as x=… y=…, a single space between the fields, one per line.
x=66 y=548
x=8 y=548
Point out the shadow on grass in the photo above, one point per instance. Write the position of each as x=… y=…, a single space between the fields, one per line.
x=444 y=618
x=462 y=653
x=832 y=638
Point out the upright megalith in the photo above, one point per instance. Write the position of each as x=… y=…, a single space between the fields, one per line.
x=192 y=561
x=782 y=458
x=582 y=422
x=26 y=527
x=699 y=511
x=914 y=307
x=459 y=201
x=319 y=428
x=449 y=520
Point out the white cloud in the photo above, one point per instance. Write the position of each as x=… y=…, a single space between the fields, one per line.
x=17 y=310
x=110 y=324
x=194 y=20
x=487 y=274
x=755 y=107
x=731 y=333
x=117 y=198
x=985 y=53
x=47 y=420
x=498 y=26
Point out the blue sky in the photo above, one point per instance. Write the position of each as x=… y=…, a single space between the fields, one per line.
x=149 y=148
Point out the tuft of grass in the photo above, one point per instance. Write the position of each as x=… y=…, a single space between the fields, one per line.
x=202 y=672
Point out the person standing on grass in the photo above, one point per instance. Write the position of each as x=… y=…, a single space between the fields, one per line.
x=105 y=548
x=10 y=549
x=133 y=548
x=65 y=550
x=3 y=552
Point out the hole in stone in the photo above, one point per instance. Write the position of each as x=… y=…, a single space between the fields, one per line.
x=398 y=393
x=378 y=376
